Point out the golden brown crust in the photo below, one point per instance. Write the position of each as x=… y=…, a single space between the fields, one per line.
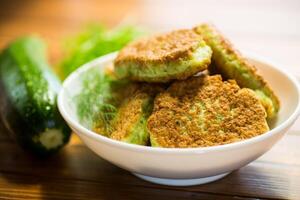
x=204 y=111
x=129 y=114
x=131 y=109
x=230 y=49
x=161 y=48
x=212 y=35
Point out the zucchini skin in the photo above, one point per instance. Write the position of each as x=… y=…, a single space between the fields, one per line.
x=28 y=92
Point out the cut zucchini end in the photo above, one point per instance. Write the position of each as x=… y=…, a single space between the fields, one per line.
x=51 y=138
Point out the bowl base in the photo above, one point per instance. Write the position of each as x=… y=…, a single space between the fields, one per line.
x=181 y=182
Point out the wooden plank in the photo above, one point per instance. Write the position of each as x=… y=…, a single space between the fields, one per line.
x=15 y=186
x=268 y=177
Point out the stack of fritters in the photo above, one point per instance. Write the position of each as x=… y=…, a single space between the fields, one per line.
x=190 y=108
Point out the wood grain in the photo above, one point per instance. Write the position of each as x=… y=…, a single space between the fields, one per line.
x=271 y=176
x=269 y=27
x=53 y=188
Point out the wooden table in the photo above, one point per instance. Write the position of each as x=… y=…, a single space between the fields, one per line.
x=269 y=28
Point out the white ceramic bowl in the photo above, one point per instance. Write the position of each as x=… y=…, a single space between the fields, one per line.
x=188 y=166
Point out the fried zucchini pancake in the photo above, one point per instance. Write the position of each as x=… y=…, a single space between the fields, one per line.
x=205 y=111
x=232 y=65
x=133 y=104
x=175 y=55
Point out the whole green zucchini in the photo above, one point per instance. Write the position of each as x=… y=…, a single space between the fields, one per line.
x=28 y=93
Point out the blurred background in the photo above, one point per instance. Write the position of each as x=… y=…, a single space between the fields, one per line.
x=267 y=27
x=270 y=28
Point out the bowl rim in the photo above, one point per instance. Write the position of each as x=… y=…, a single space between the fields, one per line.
x=134 y=147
